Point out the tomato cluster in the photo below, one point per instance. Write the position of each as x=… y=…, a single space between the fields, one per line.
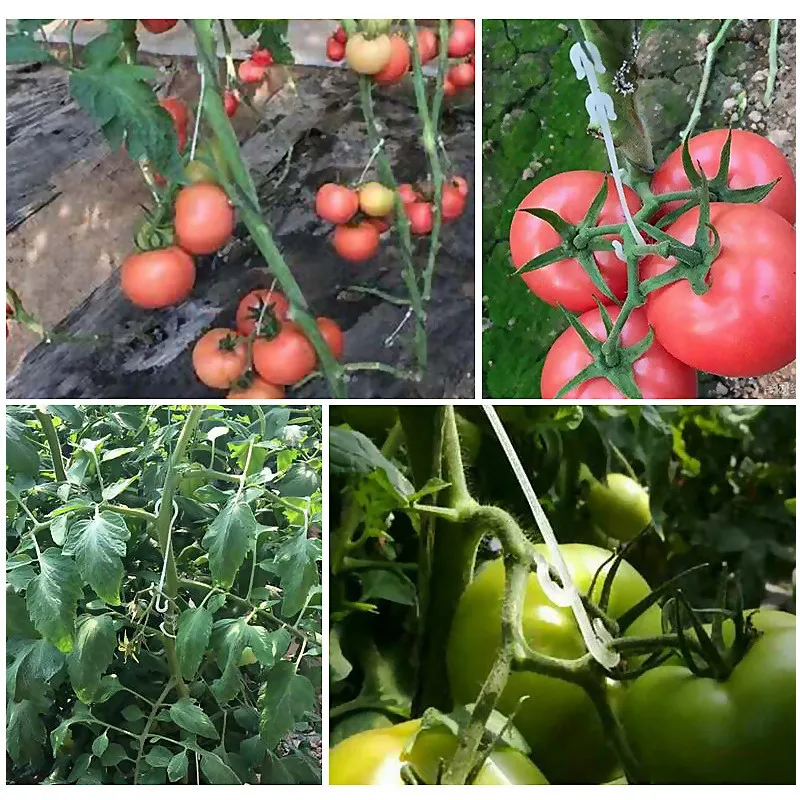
x=741 y=322
x=387 y=57
x=251 y=70
x=265 y=353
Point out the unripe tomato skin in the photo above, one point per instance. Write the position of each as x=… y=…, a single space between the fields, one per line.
x=158 y=278
x=333 y=336
x=204 y=218
x=356 y=242
x=619 y=506
x=462 y=38
x=285 y=359
x=368 y=56
x=558 y=720
x=399 y=63
x=215 y=364
x=375 y=757
x=375 y=199
x=335 y=203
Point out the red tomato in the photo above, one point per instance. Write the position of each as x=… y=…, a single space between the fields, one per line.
x=745 y=323
x=461 y=185
x=657 y=374
x=569 y=194
x=428 y=44
x=286 y=358
x=340 y=34
x=462 y=75
x=407 y=193
x=333 y=336
x=448 y=86
x=203 y=218
x=252 y=304
x=356 y=242
x=336 y=204
x=462 y=38
x=399 y=62
x=381 y=224
x=158 y=278
x=754 y=161
x=219 y=358
x=158 y=25
x=420 y=215
x=258 y=389
x=231 y=102
x=250 y=72
x=176 y=108
x=262 y=57
x=334 y=49
x=453 y=202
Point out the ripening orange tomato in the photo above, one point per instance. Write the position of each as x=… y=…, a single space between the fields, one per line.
x=257 y=389
x=286 y=358
x=203 y=218
x=219 y=358
x=158 y=278
x=333 y=336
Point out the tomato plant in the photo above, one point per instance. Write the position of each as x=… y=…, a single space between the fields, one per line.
x=368 y=56
x=374 y=199
x=158 y=278
x=231 y=102
x=174 y=588
x=428 y=45
x=260 y=304
x=398 y=64
x=375 y=758
x=462 y=39
x=334 y=49
x=332 y=334
x=219 y=358
x=657 y=374
x=250 y=72
x=335 y=203
x=619 y=506
x=286 y=358
x=357 y=242
x=420 y=215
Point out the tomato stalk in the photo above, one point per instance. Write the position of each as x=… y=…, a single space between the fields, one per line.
x=49 y=430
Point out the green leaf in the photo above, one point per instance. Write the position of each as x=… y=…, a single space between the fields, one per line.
x=217 y=771
x=100 y=744
x=21 y=49
x=385 y=584
x=353 y=453
x=301 y=480
x=116 y=489
x=178 y=767
x=284 y=701
x=189 y=716
x=296 y=564
x=228 y=540
x=158 y=756
x=25 y=733
x=115 y=754
x=29 y=667
x=22 y=456
x=95 y=642
x=194 y=632
x=98 y=545
x=53 y=598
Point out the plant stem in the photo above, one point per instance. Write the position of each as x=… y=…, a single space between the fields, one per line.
x=149 y=724
x=773 y=60
x=49 y=430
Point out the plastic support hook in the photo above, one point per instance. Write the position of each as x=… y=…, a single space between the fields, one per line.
x=585 y=58
x=594 y=635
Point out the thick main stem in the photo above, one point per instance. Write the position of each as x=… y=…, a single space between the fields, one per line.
x=49 y=430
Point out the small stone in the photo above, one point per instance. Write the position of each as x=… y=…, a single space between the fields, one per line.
x=761 y=75
x=754 y=116
x=728 y=104
x=780 y=138
x=736 y=87
x=734 y=117
x=721 y=389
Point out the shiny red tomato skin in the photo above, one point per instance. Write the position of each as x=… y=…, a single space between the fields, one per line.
x=448 y=86
x=250 y=72
x=399 y=63
x=219 y=358
x=204 y=218
x=285 y=359
x=744 y=324
x=250 y=304
x=158 y=25
x=428 y=45
x=157 y=278
x=462 y=38
x=333 y=336
x=453 y=202
x=334 y=49
x=420 y=215
x=461 y=184
x=657 y=374
x=407 y=193
x=356 y=242
x=463 y=75
x=231 y=102
x=755 y=161
x=261 y=57
x=340 y=35
x=335 y=203
x=569 y=194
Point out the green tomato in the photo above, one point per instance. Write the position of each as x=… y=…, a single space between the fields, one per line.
x=247 y=657
x=558 y=720
x=620 y=507
x=685 y=729
x=376 y=756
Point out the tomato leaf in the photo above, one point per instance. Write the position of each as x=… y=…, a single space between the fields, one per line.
x=228 y=539
x=98 y=545
x=189 y=716
x=194 y=632
x=284 y=701
x=95 y=641
x=53 y=598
